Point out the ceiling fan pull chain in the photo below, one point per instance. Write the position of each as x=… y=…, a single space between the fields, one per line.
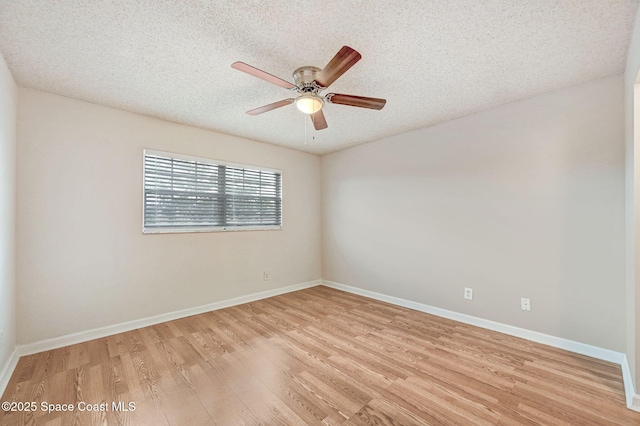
x=305 y=129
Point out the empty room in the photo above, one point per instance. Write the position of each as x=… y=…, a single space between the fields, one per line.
x=319 y=213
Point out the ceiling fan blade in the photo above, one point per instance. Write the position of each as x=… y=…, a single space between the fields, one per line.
x=337 y=66
x=319 y=122
x=269 y=107
x=241 y=66
x=357 y=101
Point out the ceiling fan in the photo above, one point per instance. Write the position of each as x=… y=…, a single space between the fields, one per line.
x=309 y=82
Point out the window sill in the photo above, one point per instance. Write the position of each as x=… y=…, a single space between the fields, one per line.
x=180 y=230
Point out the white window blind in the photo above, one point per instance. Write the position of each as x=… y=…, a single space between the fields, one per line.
x=183 y=194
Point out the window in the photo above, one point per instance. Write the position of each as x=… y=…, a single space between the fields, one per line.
x=190 y=194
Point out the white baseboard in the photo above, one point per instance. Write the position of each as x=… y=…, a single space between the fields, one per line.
x=635 y=403
x=557 y=342
x=629 y=389
x=96 y=333
x=7 y=369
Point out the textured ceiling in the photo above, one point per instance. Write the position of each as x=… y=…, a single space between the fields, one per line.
x=432 y=60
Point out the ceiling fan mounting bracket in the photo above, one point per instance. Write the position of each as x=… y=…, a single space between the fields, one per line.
x=306 y=75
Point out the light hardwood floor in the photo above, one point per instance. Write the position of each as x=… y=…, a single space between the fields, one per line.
x=318 y=356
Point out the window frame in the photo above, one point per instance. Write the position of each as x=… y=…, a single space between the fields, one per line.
x=217 y=228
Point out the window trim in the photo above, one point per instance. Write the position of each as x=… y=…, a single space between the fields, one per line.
x=187 y=229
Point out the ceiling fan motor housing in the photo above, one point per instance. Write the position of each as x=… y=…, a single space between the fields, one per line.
x=304 y=78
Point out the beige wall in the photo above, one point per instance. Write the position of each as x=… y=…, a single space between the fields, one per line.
x=83 y=261
x=8 y=105
x=523 y=200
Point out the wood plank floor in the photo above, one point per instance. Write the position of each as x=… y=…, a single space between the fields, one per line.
x=317 y=356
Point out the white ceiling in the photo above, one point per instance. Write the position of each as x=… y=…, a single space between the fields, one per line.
x=432 y=60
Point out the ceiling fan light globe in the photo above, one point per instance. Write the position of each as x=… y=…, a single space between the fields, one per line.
x=309 y=104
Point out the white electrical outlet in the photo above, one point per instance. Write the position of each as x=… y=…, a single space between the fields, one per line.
x=525 y=304
x=266 y=276
x=468 y=293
